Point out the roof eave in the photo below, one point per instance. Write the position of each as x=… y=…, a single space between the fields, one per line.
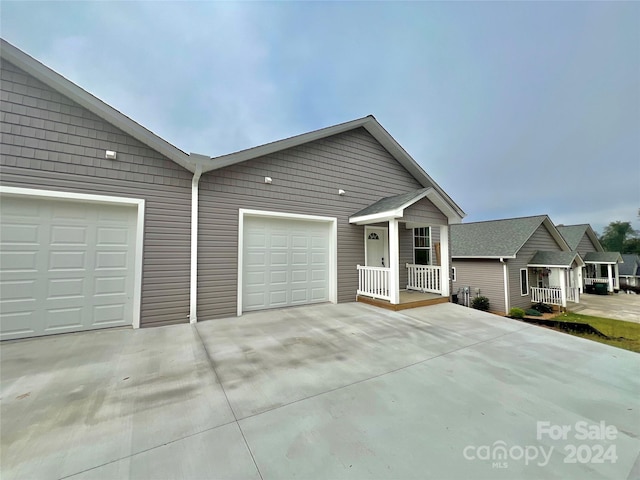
x=485 y=257
x=376 y=217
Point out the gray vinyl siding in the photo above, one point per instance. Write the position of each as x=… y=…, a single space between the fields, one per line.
x=306 y=180
x=406 y=253
x=487 y=275
x=424 y=212
x=540 y=240
x=49 y=142
x=586 y=245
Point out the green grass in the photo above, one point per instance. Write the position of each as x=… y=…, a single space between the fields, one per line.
x=621 y=334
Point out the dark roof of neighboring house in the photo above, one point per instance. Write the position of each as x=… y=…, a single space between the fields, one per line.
x=554 y=259
x=497 y=238
x=574 y=233
x=631 y=265
x=603 y=257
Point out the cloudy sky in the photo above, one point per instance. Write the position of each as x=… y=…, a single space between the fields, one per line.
x=513 y=108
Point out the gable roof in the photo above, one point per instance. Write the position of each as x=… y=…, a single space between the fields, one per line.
x=369 y=123
x=498 y=238
x=393 y=207
x=603 y=257
x=544 y=258
x=33 y=67
x=573 y=234
x=631 y=265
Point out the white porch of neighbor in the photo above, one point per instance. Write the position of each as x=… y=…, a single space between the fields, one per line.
x=557 y=281
x=602 y=273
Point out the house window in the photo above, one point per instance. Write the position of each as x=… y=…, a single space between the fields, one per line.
x=422 y=246
x=524 y=282
x=453 y=274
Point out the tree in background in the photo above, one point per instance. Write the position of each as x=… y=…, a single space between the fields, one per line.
x=620 y=237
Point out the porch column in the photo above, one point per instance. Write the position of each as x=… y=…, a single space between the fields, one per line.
x=617 y=275
x=394 y=263
x=445 y=267
x=610 y=275
x=563 y=288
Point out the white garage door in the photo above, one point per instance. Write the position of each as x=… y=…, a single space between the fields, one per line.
x=286 y=262
x=65 y=266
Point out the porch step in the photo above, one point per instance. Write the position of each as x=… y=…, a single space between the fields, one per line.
x=401 y=306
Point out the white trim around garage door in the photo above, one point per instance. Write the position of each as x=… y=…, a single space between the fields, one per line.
x=333 y=247
x=100 y=199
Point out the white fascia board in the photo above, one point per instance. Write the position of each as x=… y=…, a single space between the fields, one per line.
x=376 y=217
x=109 y=114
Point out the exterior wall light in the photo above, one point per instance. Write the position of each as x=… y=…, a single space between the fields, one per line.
x=268 y=180
x=110 y=154
x=341 y=192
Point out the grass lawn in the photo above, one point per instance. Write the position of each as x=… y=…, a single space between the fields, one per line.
x=621 y=334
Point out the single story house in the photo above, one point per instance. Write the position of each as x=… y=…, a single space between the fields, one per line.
x=629 y=271
x=514 y=262
x=106 y=224
x=600 y=266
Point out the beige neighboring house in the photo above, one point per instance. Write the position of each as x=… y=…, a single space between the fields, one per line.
x=600 y=266
x=515 y=262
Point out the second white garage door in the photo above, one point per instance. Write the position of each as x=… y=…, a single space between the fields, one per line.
x=285 y=262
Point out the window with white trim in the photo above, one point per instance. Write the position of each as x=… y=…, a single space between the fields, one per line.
x=453 y=274
x=524 y=282
x=422 y=246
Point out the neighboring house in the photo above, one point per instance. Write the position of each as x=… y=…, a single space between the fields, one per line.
x=600 y=266
x=630 y=271
x=106 y=224
x=515 y=262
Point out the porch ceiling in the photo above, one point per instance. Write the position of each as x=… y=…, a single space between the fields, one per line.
x=389 y=208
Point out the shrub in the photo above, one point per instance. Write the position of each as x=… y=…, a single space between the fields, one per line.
x=533 y=313
x=543 y=308
x=480 y=303
x=516 y=313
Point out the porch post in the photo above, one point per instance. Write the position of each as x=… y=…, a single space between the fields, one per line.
x=394 y=263
x=445 y=267
x=610 y=275
x=563 y=288
x=617 y=275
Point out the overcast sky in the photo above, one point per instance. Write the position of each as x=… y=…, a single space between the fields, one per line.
x=513 y=108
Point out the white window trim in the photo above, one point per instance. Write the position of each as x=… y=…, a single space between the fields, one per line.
x=527 y=282
x=430 y=248
x=333 y=246
x=100 y=199
x=454 y=275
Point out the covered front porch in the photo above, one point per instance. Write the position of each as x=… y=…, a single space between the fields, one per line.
x=406 y=246
x=555 y=277
x=601 y=268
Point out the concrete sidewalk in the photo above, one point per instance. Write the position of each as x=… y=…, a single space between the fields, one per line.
x=618 y=306
x=330 y=391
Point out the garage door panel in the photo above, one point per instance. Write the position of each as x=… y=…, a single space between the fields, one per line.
x=65 y=259
x=288 y=247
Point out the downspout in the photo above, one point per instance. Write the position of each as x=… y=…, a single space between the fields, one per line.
x=505 y=280
x=193 y=293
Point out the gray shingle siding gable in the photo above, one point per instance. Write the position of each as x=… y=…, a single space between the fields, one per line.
x=540 y=240
x=586 y=245
x=49 y=142
x=306 y=180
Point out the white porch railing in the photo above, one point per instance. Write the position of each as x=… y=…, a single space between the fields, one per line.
x=425 y=278
x=573 y=294
x=591 y=281
x=374 y=282
x=550 y=296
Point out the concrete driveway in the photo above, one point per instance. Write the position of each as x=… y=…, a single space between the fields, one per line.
x=619 y=306
x=330 y=391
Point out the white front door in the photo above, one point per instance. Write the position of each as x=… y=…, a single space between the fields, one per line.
x=377 y=241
